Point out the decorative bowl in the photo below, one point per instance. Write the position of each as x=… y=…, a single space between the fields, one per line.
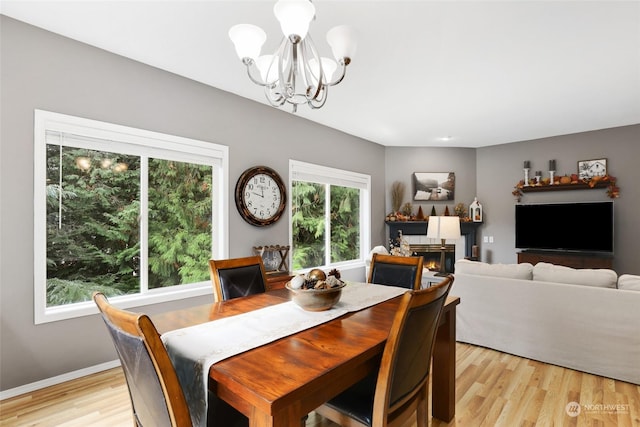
x=316 y=299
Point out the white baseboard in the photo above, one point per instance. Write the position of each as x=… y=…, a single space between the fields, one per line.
x=28 y=388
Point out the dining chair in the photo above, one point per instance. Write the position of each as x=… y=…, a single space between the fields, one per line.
x=157 y=399
x=402 y=271
x=400 y=387
x=237 y=277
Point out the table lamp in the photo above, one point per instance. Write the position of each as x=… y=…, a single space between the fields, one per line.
x=443 y=228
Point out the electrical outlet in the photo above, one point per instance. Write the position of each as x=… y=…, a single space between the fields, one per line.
x=485 y=239
x=490 y=239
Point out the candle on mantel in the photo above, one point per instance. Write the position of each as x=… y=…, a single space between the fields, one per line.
x=552 y=165
x=526 y=164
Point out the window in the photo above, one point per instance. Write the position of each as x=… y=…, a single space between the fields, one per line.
x=330 y=216
x=131 y=213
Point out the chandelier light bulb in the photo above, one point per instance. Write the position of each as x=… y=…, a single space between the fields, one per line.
x=294 y=16
x=329 y=67
x=248 y=40
x=342 y=40
x=268 y=67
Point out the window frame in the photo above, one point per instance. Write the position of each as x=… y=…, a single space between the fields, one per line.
x=309 y=172
x=133 y=141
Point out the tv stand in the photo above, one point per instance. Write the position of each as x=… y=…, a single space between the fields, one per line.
x=568 y=259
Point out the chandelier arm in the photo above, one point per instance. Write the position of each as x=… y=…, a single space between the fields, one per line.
x=319 y=102
x=310 y=52
x=343 y=71
x=275 y=98
x=285 y=67
x=253 y=79
x=278 y=92
x=294 y=66
x=252 y=68
x=288 y=69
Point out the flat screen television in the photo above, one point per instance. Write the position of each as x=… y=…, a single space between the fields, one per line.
x=578 y=227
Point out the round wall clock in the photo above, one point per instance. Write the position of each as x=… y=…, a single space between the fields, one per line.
x=260 y=196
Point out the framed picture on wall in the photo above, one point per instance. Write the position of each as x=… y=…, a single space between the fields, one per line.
x=587 y=169
x=434 y=186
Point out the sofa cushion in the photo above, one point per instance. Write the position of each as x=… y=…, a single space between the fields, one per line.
x=629 y=282
x=599 y=277
x=510 y=271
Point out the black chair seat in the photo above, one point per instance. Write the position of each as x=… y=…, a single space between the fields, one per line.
x=357 y=401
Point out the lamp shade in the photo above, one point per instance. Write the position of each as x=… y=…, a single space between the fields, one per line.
x=268 y=67
x=328 y=68
x=342 y=40
x=444 y=227
x=248 y=40
x=294 y=16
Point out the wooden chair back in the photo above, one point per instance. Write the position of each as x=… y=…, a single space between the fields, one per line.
x=405 y=272
x=399 y=390
x=237 y=277
x=403 y=380
x=156 y=396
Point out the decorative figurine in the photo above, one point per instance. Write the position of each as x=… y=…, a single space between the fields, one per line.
x=475 y=210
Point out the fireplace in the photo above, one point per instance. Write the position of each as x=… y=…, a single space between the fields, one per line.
x=431 y=255
x=419 y=228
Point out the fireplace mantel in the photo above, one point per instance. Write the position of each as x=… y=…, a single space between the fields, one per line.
x=419 y=228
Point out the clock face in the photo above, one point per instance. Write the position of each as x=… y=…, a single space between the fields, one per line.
x=260 y=196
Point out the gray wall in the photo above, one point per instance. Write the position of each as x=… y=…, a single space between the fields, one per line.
x=490 y=173
x=41 y=70
x=402 y=162
x=499 y=168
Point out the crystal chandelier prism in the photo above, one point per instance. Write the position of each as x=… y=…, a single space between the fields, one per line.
x=296 y=73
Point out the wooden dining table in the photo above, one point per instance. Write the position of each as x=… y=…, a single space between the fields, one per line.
x=279 y=383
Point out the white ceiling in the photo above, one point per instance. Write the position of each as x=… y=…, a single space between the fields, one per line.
x=479 y=72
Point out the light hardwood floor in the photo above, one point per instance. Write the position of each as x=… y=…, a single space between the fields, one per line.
x=492 y=389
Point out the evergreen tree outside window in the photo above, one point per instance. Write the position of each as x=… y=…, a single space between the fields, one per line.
x=132 y=213
x=330 y=211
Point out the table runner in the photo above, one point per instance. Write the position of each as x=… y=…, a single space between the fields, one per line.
x=194 y=349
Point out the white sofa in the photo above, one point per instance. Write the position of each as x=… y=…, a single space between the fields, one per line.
x=588 y=320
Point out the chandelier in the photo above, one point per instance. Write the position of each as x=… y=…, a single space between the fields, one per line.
x=295 y=73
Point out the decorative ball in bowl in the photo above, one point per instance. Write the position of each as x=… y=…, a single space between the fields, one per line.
x=316 y=291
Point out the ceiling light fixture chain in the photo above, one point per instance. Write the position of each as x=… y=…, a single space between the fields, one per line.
x=296 y=73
